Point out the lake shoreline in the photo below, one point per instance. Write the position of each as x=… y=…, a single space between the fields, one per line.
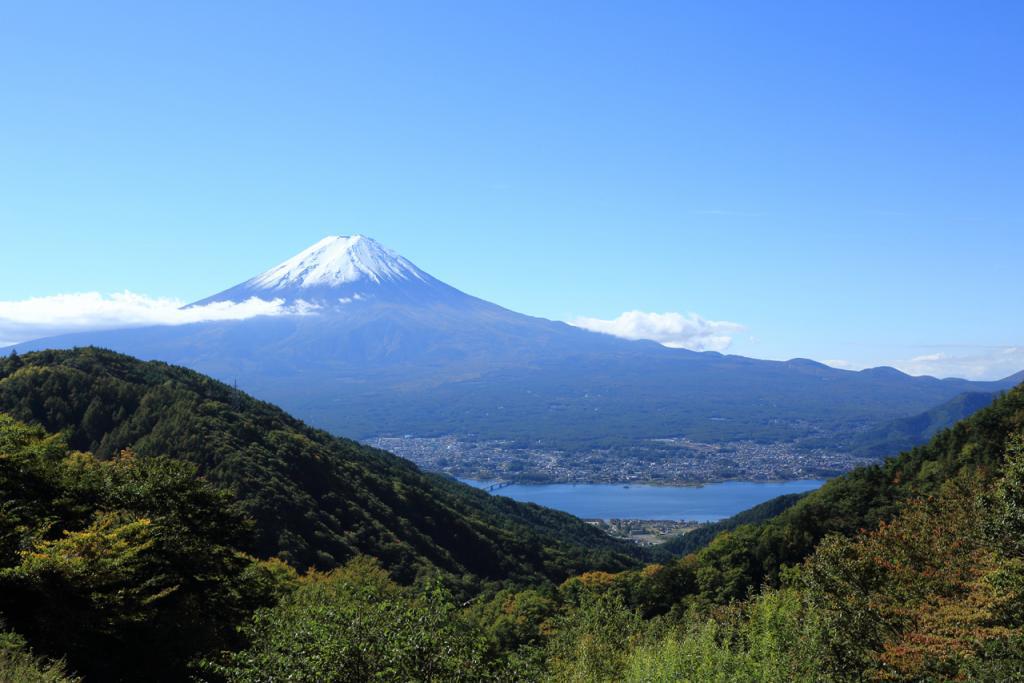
x=708 y=502
x=651 y=484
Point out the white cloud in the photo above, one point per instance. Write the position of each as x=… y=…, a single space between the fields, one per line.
x=983 y=363
x=674 y=330
x=840 y=364
x=63 y=313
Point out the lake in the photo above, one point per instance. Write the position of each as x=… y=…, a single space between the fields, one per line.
x=707 y=503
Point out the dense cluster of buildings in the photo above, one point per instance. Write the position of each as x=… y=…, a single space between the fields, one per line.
x=667 y=461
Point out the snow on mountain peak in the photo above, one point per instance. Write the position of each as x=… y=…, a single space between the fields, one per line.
x=338 y=260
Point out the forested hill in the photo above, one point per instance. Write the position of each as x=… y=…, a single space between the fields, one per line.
x=904 y=433
x=700 y=537
x=317 y=500
x=748 y=556
x=895 y=437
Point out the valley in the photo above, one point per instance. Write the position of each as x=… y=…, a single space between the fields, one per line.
x=644 y=531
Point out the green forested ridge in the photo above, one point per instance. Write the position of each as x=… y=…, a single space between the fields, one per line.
x=750 y=555
x=317 y=500
x=912 y=570
x=936 y=593
x=692 y=541
x=124 y=566
x=128 y=567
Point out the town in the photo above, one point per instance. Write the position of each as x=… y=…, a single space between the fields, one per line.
x=675 y=461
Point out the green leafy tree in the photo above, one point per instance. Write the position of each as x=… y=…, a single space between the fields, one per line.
x=772 y=637
x=591 y=641
x=920 y=598
x=316 y=500
x=19 y=665
x=356 y=624
x=128 y=567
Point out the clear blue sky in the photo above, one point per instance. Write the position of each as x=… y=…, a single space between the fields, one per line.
x=846 y=180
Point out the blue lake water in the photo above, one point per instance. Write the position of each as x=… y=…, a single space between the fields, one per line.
x=707 y=503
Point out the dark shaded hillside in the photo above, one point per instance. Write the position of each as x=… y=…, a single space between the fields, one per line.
x=316 y=499
x=905 y=433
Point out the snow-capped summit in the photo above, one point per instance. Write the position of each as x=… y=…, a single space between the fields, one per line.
x=337 y=260
x=337 y=271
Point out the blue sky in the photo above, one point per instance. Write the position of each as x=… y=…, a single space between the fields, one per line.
x=843 y=180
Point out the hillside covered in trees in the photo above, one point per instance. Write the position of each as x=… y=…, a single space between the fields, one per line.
x=126 y=564
x=751 y=555
x=906 y=432
x=316 y=500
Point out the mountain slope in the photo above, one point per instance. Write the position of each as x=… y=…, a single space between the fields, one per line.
x=700 y=537
x=899 y=435
x=744 y=558
x=316 y=499
x=383 y=348
x=906 y=432
x=340 y=270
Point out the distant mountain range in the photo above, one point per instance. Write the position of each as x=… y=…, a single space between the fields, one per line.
x=383 y=348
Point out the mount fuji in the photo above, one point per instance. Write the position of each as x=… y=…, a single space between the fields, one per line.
x=373 y=346
x=365 y=310
x=338 y=270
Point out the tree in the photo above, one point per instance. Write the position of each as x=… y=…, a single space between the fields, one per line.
x=356 y=624
x=129 y=567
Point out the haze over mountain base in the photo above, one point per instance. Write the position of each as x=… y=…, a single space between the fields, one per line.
x=381 y=348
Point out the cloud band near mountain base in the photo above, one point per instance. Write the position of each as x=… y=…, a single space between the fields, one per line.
x=674 y=330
